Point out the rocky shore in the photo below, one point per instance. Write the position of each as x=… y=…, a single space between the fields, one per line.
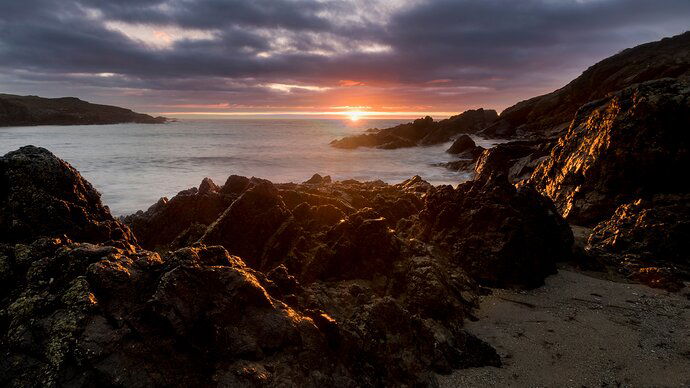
x=33 y=110
x=348 y=283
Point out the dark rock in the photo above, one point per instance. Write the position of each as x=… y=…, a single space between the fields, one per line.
x=461 y=144
x=549 y=115
x=43 y=196
x=169 y=220
x=632 y=144
x=423 y=131
x=515 y=159
x=500 y=235
x=207 y=187
x=235 y=185
x=245 y=228
x=34 y=110
x=648 y=240
x=317 y=179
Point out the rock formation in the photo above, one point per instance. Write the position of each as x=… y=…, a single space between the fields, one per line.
x=423 y=131
x=34 y=110
x=333 y=287
x=633 y=143
x=549 y=115
x=42 y=196
x=648 y=239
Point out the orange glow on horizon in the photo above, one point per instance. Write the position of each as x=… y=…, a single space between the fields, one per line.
x=351 y=115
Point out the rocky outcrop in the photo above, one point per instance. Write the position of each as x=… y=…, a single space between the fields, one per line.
x=423 y=131
x=549 y=115
x=381 y=311
x=42 y=196
x=34 y=110
x=648 y=240
x=632 y=144
x=167 y=220
x=499 y=235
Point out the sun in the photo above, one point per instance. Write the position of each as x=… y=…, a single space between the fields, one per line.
x=354 y=116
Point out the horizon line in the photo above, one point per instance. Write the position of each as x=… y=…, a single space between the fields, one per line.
x=359 y=114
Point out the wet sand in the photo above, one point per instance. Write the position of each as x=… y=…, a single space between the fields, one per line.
x=578 y=331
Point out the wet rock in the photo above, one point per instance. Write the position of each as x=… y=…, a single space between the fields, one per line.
x=631 y=144
x=43 y=196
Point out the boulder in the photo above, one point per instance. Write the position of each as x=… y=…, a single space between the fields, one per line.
x=43 y=196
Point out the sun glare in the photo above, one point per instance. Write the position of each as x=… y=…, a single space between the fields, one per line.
x=354 y=116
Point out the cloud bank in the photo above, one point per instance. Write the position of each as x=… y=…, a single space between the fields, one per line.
x=278 y=55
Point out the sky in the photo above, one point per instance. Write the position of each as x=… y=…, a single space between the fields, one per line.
x=393 y=58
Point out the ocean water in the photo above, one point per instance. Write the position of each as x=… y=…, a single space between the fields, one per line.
x=133 y=165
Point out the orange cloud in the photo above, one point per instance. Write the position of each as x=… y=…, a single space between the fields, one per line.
x=349 y=82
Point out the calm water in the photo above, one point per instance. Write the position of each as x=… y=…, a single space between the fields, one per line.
x=133 y=165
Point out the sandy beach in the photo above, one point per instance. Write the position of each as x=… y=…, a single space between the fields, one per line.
x=578 y=331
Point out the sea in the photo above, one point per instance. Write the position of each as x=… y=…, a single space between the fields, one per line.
x=133 y=165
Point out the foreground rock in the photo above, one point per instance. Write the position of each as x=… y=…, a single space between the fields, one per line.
x=42 y=196
x=34 y=110
x=423 y=131
x=632 y=144
x=500 y=235
x=338 y=296
x=648 y=240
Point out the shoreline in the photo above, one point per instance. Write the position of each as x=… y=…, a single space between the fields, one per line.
x=579 y=330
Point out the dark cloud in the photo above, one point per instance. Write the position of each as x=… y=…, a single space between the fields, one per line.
x=151 y=52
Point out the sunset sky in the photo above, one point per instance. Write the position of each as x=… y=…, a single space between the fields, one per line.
x=316 y=57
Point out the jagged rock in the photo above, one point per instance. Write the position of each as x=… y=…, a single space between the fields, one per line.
x=361 y=246
x=317 y=179
x=549 y=115
x=500 y=235
x=423 y=131
x=648 y=239
x=632 y=144
x=207 y=186
x=516 y=159
x=43 y=196
x=255 y=220
x=167 y=220
x=235 y=185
